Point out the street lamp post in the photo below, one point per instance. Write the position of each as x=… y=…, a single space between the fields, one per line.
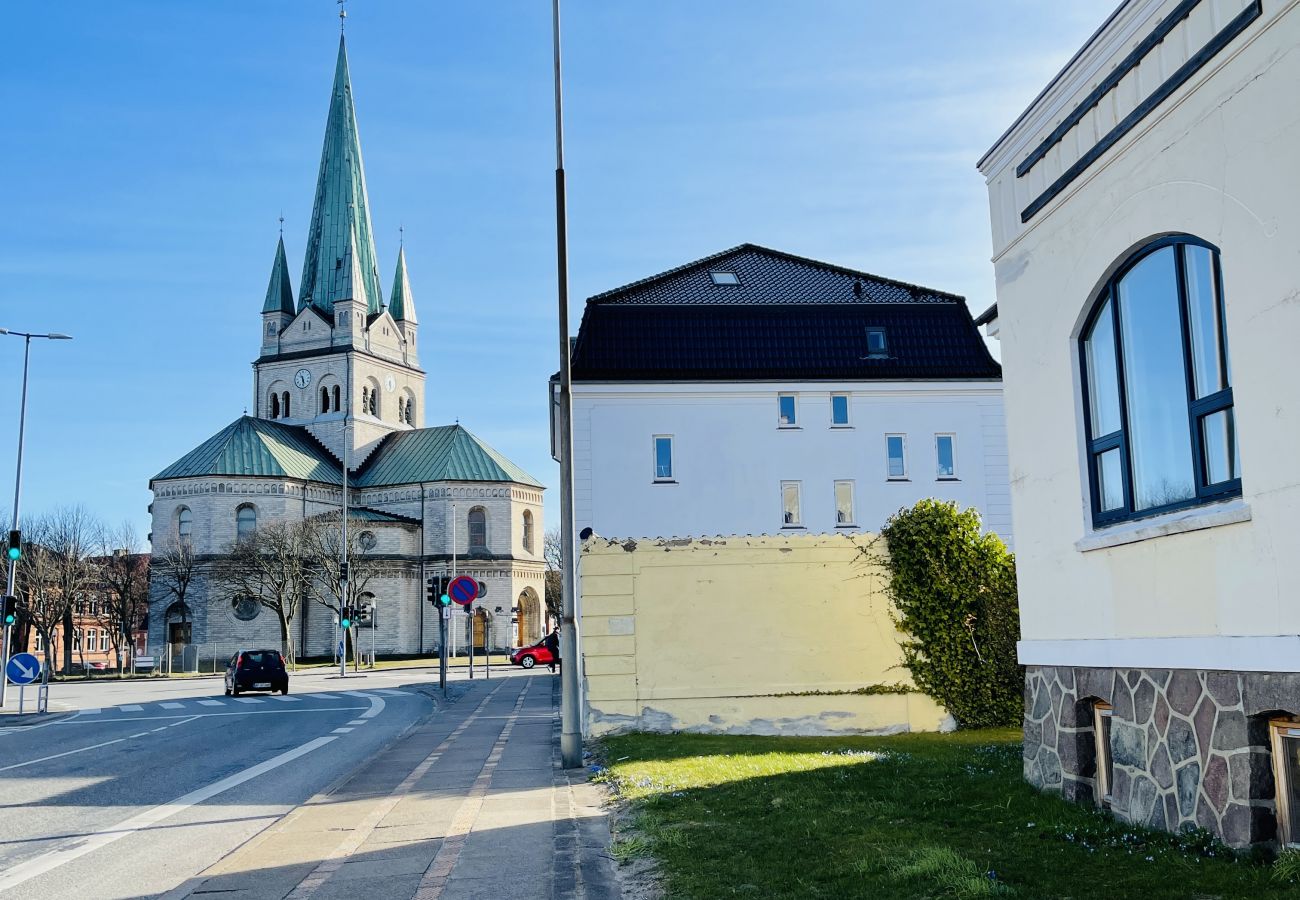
x=18 y=484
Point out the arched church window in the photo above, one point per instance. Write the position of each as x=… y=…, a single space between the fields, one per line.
x=275 y=406
x=184 y=523
x=337 y=394
x=374 y=403
x=477 y=529
x=324 y=400
x=528 y=531
x=410 y=411
x=365 y=399
x=245 y=521
x=284 y=403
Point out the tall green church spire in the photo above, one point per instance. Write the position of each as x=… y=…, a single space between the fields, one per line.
x=279 y=293
x=401 y=305
x=340 y=239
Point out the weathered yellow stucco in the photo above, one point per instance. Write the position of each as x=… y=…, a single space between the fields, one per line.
x=720 y=634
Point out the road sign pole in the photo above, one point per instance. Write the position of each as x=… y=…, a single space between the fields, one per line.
x=469 y=614
x=442 y=649
x=22 y=689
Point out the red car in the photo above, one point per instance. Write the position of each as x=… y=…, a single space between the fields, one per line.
x=537 y=654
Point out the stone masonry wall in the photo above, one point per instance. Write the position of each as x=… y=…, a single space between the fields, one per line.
x=1188 y=748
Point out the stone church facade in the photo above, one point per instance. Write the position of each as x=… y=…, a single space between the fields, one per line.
x=338 y=385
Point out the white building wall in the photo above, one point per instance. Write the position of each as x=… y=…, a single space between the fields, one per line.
x=730 y=456
x=1212 y=587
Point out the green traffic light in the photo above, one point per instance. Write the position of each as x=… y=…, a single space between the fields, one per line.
x=347 y=623
x=445 y=600
x=15 y=553
x=10 y=619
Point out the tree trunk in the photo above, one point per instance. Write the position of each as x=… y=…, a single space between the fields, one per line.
x=67 y=641
x=286 y=639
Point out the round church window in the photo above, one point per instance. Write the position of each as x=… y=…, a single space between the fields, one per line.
x=246 y=608
x=367 y=540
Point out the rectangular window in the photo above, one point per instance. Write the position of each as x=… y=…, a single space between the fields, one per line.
x=1101 y=715
x=785 y=410
x=791 y=516
x=76 y=639
x=103 y=641
x=844 y=503
x=1286 y=775
x=945 y=459
x=840 y=409
x=896 y=452
x=876 y=344
x=39 y=645
x=663 y=457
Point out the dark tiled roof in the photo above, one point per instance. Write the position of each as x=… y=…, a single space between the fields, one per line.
x=789 y=319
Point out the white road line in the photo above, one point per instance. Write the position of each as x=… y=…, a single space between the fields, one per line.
x=340 y=731
x=248 y=699
x=211 y=703
x=90 y=712
x=81 y=846
x=357 y=722
x=131 y=707
x=363 y=694
x=324 y=696
x=283 y=699
x=206 y=715
x=140 y=734
x=390 y=692
x=32 y=762
x=377 y=705
x=172 y=705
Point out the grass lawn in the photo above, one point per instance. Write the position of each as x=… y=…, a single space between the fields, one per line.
x=909 y=816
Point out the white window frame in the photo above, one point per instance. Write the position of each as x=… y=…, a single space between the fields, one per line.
x=848 y=413
x=794 y=398
x=1280 y=730
x=672 y=459
x=798 y=503
x=853 y=503
x=76 y=638
x=104 y=644
x=889 y=476
x=1102 y=711
x=952 y=437
x=38 y=645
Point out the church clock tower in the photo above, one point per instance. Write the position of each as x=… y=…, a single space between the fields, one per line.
x=340 y=361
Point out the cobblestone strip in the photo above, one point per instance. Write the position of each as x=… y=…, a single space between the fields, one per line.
x=332 y=863
x=435 y=877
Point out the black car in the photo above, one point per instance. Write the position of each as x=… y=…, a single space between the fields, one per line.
x=256 y=670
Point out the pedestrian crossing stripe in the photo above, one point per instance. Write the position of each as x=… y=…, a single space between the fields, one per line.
x=172 y=705
x=211 y=703
x=131 y=707
x=248 y=699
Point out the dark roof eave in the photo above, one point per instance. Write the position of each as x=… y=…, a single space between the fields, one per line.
x=987 y=316
x=332 y=351
x=829 y=379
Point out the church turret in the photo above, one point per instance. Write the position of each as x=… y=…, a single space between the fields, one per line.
x=350 y=309
x=401 y=306
x=278 y=310
x=340 y=216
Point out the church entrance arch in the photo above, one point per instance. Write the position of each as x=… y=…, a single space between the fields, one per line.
x=530 y=618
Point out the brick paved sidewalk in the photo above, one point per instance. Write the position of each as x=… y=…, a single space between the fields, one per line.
x=470 y=804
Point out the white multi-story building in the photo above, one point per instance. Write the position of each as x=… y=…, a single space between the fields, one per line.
x=1145 y=235
x=756 y=392
x=338 y=385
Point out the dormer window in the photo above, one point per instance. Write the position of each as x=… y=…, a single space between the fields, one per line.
x=877 y=347
x=724 y=278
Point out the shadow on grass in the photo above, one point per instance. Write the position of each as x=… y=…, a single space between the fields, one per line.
x=910 y=816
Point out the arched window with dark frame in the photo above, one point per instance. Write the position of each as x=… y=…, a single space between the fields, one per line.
x=528 y=531
x=478 y=529
x=338 y=406
x=324 y=399
x=1157 y=385
x=245 y=521
x=275 y=405
x=284 y=404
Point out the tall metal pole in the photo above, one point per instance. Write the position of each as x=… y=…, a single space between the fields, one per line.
x=18 y=487
x=343 y=549
x=570 y=726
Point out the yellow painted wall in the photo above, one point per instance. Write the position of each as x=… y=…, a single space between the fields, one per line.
x=691 y=634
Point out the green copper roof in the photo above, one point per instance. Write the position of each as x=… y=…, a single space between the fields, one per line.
x=340 y=260
x=401 y=306
x=445 y=453
x=365 y=514
x=259 y=447
x=279 y=293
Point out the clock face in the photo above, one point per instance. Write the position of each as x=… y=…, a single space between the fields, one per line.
x=302 y=378
x=390 y=384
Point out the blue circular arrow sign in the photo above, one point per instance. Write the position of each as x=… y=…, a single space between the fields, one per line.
x=463 y=590
x=23 y=668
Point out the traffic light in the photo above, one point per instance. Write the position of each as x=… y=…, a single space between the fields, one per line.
x=436 y=592
x=10 y=609
x=345 y=618
x=15 y=551
x=343 y=573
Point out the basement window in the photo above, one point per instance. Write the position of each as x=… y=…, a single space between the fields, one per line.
x=1101 y=716
x=1286 y=772
x=724 y=278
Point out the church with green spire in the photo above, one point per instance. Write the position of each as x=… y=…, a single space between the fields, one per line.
x=338 y=387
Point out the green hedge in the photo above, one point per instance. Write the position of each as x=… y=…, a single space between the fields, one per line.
x=954 y=590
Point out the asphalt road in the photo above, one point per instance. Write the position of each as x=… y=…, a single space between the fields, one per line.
x=151 y=782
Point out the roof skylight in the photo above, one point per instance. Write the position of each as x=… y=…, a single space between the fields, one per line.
x=724 y=278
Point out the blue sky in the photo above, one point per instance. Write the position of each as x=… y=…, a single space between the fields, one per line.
x=149 y=148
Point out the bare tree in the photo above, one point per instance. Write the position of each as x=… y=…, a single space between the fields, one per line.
x=173 y=572
x=56 y=573
x=554 y=582
x=125 y=577
x=272 y=567
x=326 y=542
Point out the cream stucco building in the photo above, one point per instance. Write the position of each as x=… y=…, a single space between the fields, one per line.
x=338 y=386
x=1145 y=235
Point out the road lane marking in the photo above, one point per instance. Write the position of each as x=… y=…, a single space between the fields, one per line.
x=341 y=731
x=47 y=862
x=89 y=712
x=434 y=881
x=140 y=734
x=131 y=707
x=390 y=692
x=172 y=705
x=357 y=722
x=308 y=887
x=285 y=699
x=324 y=696
x=205 y=715
x=248 y=699
x=377 y=705
x=32 y=762
x=211 y=703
